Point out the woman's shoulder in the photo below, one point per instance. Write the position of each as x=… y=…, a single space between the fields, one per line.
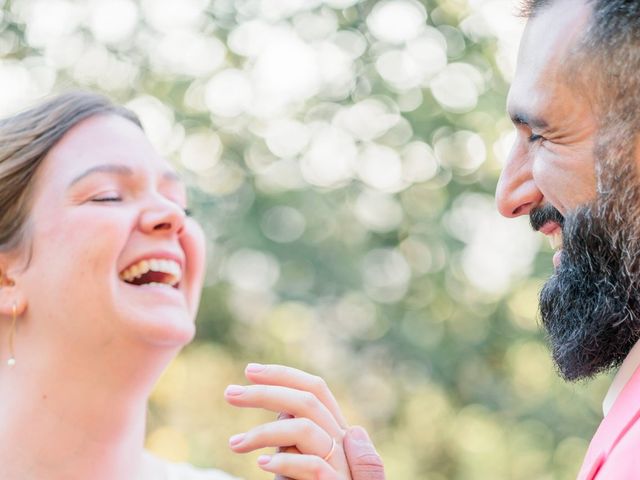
x=185 y=471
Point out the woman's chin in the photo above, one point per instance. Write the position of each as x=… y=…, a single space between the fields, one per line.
x=163 y=326
x=158 y=315
x=174 y=332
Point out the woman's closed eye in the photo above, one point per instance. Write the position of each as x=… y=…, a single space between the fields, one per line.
x=110 y=197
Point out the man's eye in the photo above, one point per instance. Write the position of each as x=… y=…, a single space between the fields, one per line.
x=534 y=138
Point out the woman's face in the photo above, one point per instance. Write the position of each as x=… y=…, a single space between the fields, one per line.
x=108 y=208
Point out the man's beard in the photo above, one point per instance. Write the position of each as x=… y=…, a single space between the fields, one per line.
x=590 y=307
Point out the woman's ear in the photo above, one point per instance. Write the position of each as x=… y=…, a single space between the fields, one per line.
x=10 y=295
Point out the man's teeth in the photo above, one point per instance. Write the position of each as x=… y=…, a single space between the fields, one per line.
x=171 y=268
x=555 y=240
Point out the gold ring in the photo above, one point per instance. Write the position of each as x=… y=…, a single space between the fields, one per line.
x=333 y=449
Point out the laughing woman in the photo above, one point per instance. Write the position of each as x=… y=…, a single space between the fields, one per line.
x=101 y=271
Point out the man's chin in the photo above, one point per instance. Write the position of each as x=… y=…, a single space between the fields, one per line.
x=573 y=367
x=589 y=322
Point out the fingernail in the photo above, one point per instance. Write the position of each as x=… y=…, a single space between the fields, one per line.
x=235 y=390
x=236 y=439
x=255 y=367
x=264 y=459
x=359 y=434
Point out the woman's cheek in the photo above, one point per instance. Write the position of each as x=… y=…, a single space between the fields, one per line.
x=95 y=238
x=194 y=246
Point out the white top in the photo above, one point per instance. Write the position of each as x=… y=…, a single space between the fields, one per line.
x=182 y=471
x=628 y=367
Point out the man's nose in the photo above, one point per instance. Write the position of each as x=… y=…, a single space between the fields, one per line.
x=162 y=215
x=517 y=193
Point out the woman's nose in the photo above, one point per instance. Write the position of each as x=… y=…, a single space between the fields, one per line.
x=162 y=215
x=517 y=192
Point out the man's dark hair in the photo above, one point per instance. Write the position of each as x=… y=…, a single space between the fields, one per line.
x=606 y=61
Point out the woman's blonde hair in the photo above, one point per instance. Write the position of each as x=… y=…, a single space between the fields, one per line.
x=25 y=139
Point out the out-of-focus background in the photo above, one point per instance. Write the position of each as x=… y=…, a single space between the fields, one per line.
x=343 y=156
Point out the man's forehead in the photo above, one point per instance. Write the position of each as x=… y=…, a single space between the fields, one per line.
x=546 y=46
x=552 y=33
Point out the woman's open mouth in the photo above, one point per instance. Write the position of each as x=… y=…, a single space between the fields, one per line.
x=153 y=271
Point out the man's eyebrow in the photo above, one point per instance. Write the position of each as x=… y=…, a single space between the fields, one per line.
x=120 y=170
x=522 y=118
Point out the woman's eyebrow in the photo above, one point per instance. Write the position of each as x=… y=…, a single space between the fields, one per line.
x=120 y=170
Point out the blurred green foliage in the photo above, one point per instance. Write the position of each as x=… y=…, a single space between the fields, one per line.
x=343 y=156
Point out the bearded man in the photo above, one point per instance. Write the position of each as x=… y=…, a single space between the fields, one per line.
x=574 y=170
x=575 y=102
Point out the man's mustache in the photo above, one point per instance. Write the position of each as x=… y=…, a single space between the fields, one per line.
x=540 y=216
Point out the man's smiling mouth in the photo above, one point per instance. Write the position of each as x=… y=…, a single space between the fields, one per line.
x=553 y=232
x=555 y=239
x=153 y=271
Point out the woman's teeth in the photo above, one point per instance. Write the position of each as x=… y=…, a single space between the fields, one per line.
x=172 y=273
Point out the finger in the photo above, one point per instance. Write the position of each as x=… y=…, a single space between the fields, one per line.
x=287 y=450
x=294 y=378
x=302 y=433
x=284 y=416
x=298 y=467
x=364 y=461
x=278 y=399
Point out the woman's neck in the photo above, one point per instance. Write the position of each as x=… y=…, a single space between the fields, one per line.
x=72 y=415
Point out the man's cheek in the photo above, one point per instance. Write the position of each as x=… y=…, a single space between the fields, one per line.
x=552 y=191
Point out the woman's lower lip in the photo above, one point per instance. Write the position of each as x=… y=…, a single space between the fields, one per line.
x=156 y=289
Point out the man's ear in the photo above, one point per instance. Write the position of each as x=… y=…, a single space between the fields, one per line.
x=10 y=293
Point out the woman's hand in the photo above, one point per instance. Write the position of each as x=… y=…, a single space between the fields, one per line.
x=310 y=421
